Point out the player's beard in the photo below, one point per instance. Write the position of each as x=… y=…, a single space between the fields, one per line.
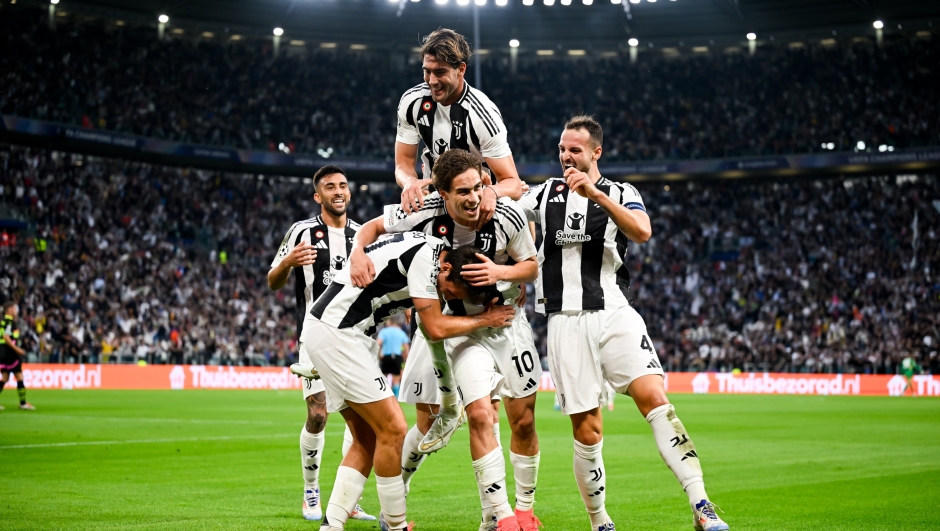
x=333 y=211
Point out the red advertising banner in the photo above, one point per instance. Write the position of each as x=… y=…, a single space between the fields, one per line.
x=70 y=376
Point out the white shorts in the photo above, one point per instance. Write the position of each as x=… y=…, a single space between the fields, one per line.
x=496 y=362
x=348 y=363
x=310 y=386
x=418 y=383
x=588 y=349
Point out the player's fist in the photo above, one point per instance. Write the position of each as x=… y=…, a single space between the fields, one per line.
x=361 y=269
x=303 y=254
x=498 y=316
x=412 y=196
x=581 y=183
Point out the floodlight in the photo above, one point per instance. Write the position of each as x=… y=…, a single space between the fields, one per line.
x=587 y=2
x=463 y=2
x=528 y=2
x=633 y=42
x=616 y=1
x=860 y=146
x=878 y=24
x=163 y=19
x=278 y=31
x=651 y=1
x=549 y=2
x=830 y=146
x=751 y=36
x=566 y=2
x=53 y=2
x=882 y=148
x=514 y=43
x=502 y=3
x=442 y=2
x=635 y=1
x=480 y=2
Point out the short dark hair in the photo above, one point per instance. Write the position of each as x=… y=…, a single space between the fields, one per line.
x=451 y=164
x=448 y=46
x=329 y=169
x=589 y=124
x=7 y=305
x=460 y=257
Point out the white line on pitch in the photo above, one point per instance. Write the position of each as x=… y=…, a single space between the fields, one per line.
x=147 y=441
x=157 y=419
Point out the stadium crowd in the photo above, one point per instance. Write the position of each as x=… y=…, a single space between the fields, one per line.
x=127 y=261
x=781 y=101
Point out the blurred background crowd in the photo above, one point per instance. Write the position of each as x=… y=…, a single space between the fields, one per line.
x=220 y=92
x=127 y=261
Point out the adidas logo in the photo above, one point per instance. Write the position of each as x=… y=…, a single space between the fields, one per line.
x=321 y=245
x=311 y=467
x=493 y=488
x=424 y=121
x=557 y=199
x=411 y=470
x=690 y=454
x=530 y=384
x=444 y=389
x=654 y=364
x=597 y=492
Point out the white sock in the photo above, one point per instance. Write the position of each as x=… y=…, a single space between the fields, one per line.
x=411 y=459
x=496 y=434
x=392 y=501
x=592 y=480
x=526 y=472
x=445 y=376
x=491 y=477
x=346 y=493
x=311 y=452
x=347 y=441
x=677 y=451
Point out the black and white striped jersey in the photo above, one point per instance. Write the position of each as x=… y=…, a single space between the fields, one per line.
x=406 y=268
x=473 y=124
x=505 y=239
x=333 y=246
x=582 y=249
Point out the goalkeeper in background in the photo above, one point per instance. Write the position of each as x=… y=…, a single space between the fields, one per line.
x=908 y=367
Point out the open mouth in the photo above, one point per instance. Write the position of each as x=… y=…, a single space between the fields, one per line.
x=471 y=211
x=338 y=203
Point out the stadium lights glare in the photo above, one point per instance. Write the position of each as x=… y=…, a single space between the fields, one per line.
x=514 y=43
x=502 y=3
x=651 y=1
x=751 y=36
x=163 y=19
x=635 y=1
x=463 y=2
x=54 y=2
x=480 y=2
x=882 y=148
x=278 y=31
x=878 y=24
x=830 y=146
x=633 y=42
x=616 y=1
x=528 y=2
x=587 y=2
x=860 y=146
x=549 y=2
x=566 y=2
x=441 y=2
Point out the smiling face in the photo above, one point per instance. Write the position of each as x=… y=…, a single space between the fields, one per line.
x=333 y=194
x=576 y=150
x=463 y=198
x=446 y=81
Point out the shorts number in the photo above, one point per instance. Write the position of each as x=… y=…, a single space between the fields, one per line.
x=527 y=362
x=645 y=345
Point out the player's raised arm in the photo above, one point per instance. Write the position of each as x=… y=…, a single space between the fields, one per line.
x=301 y=254
x=413 y=188
x=633 y=222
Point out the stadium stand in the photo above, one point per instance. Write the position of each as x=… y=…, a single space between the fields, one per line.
x=124 y=261
x=781 y=101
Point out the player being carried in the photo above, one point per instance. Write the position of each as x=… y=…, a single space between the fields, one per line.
x=486 y=363
x=594 y=335
x=412 y=270
x=11 y=354
x=316 y=249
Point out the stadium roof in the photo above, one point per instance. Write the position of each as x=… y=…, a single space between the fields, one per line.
x=599 y=25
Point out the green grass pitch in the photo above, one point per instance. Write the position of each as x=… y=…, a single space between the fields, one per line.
x=229 y=460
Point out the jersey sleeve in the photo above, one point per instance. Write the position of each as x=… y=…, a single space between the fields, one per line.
x=395 y=219
x=407 y=132
x=490 y=129
x=285 y=247
x=422 y=275
x=630 y=197
x=529 y=202
x=520 y=246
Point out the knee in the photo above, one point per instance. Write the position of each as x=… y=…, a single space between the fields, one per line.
x=650 y=403
x=316 y=414
x=588 y=435
x=480 y=418
x=523 y=427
